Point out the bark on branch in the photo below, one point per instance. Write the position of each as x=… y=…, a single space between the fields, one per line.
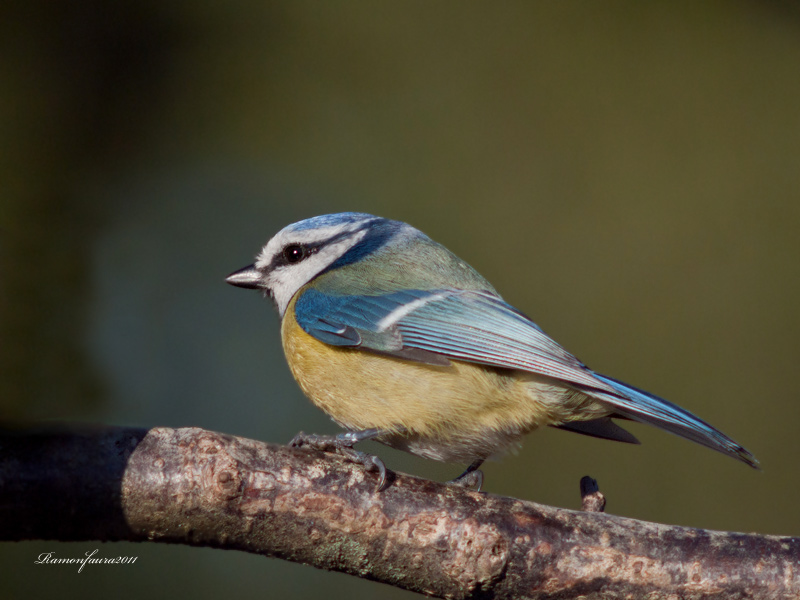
x=196 y=487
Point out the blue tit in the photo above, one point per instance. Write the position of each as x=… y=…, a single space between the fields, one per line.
x=401 y=341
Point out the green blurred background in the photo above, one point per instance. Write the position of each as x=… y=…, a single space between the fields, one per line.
x=626 y=173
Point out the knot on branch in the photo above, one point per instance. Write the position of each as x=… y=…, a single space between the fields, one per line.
x=592 y=499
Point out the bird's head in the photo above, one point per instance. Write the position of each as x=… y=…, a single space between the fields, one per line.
x=302 y=251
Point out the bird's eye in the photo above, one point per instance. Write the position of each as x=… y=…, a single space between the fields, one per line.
x=294 y=253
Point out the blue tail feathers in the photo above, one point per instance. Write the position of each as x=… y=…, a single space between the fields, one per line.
x=644 y=407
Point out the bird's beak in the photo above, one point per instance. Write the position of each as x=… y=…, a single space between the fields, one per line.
x=249 y=278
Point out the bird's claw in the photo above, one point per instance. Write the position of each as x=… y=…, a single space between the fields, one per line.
x=323 y=443
x=370 y=462
x=471 y=480
x=343 y=445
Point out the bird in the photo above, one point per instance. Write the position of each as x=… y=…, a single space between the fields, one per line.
x=400 y=341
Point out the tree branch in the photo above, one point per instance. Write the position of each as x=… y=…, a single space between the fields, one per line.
x=196 y=487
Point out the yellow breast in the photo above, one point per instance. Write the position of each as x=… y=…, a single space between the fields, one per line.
x=457 y=412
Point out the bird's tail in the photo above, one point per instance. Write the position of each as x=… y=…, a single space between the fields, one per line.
x=644 y=407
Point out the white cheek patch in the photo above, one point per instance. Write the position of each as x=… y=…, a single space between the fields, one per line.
x=286 y=280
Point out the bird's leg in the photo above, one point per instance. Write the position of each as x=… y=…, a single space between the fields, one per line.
x=472 y=477
x=343 y=444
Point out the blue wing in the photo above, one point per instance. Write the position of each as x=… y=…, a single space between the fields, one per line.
x=433 y=326
x=471 y=326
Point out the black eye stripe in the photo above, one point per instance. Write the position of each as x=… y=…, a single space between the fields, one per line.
x=293 y=254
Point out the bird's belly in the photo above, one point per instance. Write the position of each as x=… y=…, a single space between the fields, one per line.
x=455 y=413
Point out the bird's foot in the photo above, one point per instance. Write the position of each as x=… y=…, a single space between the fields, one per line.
x=472 y=478
x=342 y=444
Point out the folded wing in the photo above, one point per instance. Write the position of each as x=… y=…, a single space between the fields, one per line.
x=434 y=326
